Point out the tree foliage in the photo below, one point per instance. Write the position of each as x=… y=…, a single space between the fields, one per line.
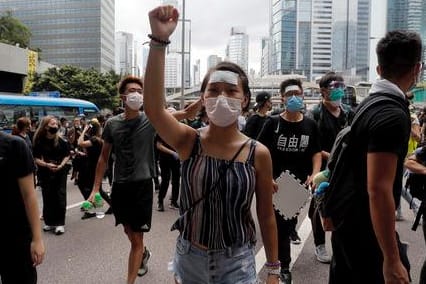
x=74 y=82
x=13 y=31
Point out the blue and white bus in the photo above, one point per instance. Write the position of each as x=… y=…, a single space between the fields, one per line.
x=13 y=107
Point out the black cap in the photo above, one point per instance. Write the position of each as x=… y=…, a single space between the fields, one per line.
x=262 y=97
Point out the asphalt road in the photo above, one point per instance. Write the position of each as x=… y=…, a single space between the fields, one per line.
x=94 y=251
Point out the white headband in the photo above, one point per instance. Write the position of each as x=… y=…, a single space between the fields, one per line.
x=224 y=76
x=291 y=88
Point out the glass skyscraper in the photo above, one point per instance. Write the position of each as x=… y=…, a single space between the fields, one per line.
x=74 y=32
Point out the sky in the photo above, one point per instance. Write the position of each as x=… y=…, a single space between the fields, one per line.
x=211 y=24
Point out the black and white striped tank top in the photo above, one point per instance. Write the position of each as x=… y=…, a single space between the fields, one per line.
x=223 y=218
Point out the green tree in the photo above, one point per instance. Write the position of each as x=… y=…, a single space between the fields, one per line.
x=74 y=82
x=13 y=31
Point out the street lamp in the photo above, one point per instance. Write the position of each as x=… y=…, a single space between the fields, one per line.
x=182 y=89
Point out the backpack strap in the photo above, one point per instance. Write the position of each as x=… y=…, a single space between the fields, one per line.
x=375 y=99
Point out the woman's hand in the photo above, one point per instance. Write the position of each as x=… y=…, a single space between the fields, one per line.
x=37 y=252
x=163 y=21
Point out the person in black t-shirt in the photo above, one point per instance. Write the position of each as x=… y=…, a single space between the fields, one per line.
x=21 y=245
x=293 y=141
x=90 y=140
x=331 y=116
x=366 y=246
x=51 y=155
x=256 y=123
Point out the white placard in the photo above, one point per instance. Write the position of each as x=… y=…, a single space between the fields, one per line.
x=291 y=195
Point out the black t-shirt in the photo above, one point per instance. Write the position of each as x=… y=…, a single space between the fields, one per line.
x=16 y=161
x=161 y=154
x=254 y=125
x=47 y=150
x=383 y=128
x=329 y=125
x=292 y=145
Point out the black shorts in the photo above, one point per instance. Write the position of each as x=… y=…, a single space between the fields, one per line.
x=132 y=204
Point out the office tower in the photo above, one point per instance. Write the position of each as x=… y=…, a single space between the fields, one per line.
x=79 y=33
x=408 y=15
x=363 y=38
x=290 y=45
x=344 y=36
x=124 y=53
x=212 y=60
x=237 y=48
x=321 y=38
x=175 y=46
x=196 y=73
x=265 y=62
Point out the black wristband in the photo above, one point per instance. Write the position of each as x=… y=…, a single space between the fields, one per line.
x=156 y=39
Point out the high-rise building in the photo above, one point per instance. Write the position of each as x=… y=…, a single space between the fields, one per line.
x=321 y=37
x=344 y=39
x=363 y=38
x=124 y=53
x=196 y=73
x=212 y=60
x=75 y=32
x=408 y=15
x=290 y=45
x=175 y=47
x=237 y=48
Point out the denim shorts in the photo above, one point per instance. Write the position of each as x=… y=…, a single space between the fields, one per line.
x=233 y=265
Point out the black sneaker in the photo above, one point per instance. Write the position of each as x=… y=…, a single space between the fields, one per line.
x=144 y=265
x=109 y=211
x=285 y=276
x=174 y=206
x=160 y=206
x=294 y=238
x=88 y=215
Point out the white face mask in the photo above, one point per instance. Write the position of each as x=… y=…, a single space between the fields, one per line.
x=134 y=100
x=223 y=111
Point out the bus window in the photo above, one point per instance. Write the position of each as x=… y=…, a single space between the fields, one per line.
x=60 y=111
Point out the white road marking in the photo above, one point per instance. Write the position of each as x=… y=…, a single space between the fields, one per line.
x=303 y=231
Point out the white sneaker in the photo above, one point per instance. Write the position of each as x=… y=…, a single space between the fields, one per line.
x=399 y=216
x=321 y=254
x=59 y=230
x=48 y=228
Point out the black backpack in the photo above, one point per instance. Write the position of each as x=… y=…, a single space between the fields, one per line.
x=336 y=201
x=416 y=183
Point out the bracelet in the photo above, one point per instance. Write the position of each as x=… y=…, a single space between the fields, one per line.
x=273 y=264
x=157 y=46
x=273 y=271
x=160 y=41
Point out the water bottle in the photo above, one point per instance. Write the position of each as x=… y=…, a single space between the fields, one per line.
x=99 y=203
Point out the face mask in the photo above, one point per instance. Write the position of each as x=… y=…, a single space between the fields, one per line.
x=336 y=94
x=336 y=103
x=223 y=111
x=294 y=103
x=52 y=130
x=134 y=101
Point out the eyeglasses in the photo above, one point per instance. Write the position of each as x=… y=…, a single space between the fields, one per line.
x=132 y=90
x=336 y=85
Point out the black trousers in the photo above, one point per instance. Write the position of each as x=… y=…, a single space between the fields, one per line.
x=423 y=271
x=54 y=193
x=16 y=265
x=169 y=167
x=357 y=258
x=284 y=227
x=317 y=230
